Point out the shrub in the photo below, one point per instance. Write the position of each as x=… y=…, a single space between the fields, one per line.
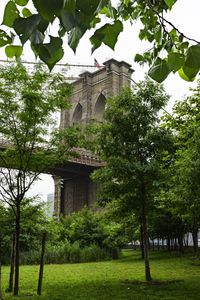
x=65 y=253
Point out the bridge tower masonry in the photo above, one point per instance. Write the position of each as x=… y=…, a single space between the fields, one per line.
x=73 y=187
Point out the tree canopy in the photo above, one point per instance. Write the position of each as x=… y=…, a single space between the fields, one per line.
x=131 y=143
x=170 y=49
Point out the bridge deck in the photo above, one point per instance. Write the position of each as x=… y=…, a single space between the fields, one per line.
x=84 y=157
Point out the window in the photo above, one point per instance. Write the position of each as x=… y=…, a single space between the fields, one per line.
x=77 y=115
x=99 y=108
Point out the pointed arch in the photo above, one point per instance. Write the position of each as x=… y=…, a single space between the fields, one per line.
x=100 y=107
x=77 y=115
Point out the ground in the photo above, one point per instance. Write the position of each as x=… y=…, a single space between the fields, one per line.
x=115 y=279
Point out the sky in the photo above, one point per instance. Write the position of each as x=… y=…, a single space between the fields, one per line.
x=184 y=15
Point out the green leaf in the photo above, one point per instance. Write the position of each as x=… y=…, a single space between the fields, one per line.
x=11 y=13
x=26 y=12
x=94 y=22
x=48 y=9
x=74 y=37
x=24 y=27
x=159 y=71
x=183 y=45
x=170 y=3
x=193 y=57
x=183 y=75
x=190 y=72
x=158 y=34
x=50 y=53
x=4 y=38
x=67 y=20
x=37 y=37
x=70 y=6
x=175 y=61
x=108 y=34
x=88 y=7
x=21 y=2
x=138 y=58
x=13 y=51
x=42 y=26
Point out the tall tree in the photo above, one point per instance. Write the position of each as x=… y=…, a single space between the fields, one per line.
x=131 y=144
x=76 y=17
x=29 y=146
x=184 y=185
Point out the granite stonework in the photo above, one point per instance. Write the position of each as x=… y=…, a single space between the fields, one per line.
x=88 y=101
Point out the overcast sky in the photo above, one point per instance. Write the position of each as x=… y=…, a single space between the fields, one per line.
x=185 y=16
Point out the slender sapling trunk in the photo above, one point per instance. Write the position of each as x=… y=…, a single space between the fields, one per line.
x=1 y=296
x=12 y=264
x=39 y=290
x=17 y=231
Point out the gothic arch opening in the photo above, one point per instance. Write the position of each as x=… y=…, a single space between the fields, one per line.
x=100 y=108
x=77 y=115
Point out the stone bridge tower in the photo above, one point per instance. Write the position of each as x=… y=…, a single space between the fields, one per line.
x=88 y=101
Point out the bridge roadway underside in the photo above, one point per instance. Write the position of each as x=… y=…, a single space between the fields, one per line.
x=70 y=169
x=74 y=189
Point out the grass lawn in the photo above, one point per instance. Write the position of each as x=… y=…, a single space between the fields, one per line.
x=113 y=280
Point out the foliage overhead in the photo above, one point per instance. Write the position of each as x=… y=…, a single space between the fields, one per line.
x=170 y=49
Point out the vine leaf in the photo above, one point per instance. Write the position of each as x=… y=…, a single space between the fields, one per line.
x=170 y=3
x=4 y=38
x=75 y=36
x=24 y=27
x=13 y=51
x=48 y=9
x=107 y=34
x=21 y=2
x=159 y=71
x=51 y=52
x=11 y=13
x=175 y=61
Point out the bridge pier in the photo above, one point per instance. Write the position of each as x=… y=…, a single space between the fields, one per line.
x=88 y=101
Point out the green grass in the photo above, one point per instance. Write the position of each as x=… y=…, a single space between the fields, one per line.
x=111 y=280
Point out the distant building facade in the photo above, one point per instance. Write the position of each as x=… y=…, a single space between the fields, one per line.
x=50 y=205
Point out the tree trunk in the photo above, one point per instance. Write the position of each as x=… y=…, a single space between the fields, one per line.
x=134 y=245
x=180 y=242
x=163 y=244
x=17 y=231
x=1 y=296
x=158 y=245
x=153 y=244
x=141 y=242
x=39 y=290
x=12 y=264
x=195 y=239
x=176 y=243
x=168 y=243
x=145 y=242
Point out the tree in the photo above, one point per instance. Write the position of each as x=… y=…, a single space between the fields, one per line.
x=27 y=102
x=131 y=144
x=76 y=17
x=184 y=167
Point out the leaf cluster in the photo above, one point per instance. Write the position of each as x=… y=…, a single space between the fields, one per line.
x=171 y=50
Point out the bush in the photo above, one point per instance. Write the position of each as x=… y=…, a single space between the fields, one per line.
x=94 y=253
x=65 y=253
x=82 y=237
